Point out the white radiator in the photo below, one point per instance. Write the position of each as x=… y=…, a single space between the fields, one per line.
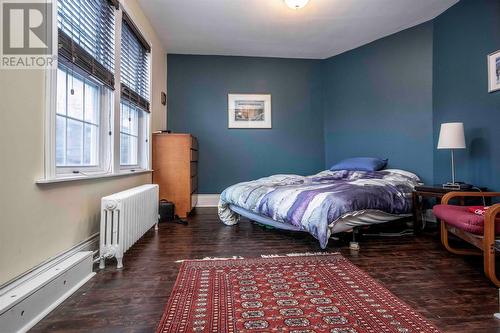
x=125 y=217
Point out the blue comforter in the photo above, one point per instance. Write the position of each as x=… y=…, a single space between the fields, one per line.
x=315 y=203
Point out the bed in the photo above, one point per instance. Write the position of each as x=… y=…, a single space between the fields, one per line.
x=322 y=204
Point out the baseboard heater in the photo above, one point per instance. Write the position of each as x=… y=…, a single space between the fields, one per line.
x=26 y=303
x=125 y=217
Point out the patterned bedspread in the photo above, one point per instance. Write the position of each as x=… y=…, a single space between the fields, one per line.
x=314 y=203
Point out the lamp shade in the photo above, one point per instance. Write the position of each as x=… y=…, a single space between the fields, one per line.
x=451 y=136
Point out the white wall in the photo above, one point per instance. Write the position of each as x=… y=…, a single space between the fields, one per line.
x=39 y=221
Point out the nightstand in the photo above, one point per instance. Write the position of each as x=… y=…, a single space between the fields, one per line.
x=437 y=192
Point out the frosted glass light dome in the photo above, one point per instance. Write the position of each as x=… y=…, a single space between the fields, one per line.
x=296 y=4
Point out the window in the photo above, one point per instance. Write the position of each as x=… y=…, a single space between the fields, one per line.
x=94 y=127
x=134 y=106
x=129 y=135
x=77 y=120
x=83 y=88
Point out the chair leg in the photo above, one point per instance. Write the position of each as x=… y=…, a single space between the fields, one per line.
x=489 y=245
x=489 y=264
x=446 y=244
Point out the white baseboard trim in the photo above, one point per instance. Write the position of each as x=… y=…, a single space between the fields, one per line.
x=208 y=200
x=89 y=244
x=28 y=298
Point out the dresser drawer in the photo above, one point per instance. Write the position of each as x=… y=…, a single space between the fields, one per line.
x=194 y=184
x=194 y=155
x=194 y=169
x=194 y=143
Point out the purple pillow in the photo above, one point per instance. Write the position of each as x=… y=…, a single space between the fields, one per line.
x=360 y=164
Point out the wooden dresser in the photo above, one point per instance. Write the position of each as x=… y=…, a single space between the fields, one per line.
x=175 y=169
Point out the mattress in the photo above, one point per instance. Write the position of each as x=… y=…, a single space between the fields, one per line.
x=344 y=223
x=317 y=203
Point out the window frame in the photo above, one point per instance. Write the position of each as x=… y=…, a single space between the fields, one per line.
x=142 y=141
x=109 y=117
x=144 y=117
x=103 y=148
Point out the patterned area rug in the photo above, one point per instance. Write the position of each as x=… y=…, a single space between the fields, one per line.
x=299 y=294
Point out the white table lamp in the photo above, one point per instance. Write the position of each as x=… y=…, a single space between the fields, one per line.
x=451 y=136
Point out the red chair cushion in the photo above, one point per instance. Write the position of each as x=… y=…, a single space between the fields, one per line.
x=462 y=218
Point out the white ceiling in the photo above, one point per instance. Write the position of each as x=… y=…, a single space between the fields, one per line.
x=269 y=28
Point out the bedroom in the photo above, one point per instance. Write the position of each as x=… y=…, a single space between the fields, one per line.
x=265 y=90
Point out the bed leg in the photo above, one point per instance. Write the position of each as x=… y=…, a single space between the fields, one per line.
x=353 y=245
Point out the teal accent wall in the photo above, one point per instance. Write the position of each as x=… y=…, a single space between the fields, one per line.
x=386 y=99
x=197 y=103
x=463 y=37
x=378 y=102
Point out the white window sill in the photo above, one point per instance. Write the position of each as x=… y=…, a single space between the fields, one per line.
x=122 y=173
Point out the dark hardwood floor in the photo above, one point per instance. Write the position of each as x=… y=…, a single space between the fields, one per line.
x=450 y=291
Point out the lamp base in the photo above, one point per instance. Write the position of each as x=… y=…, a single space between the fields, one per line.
x=457 y=186
x=451 y=186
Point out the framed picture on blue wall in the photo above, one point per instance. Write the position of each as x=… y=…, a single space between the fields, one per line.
x=494 y=71
x=249 y=111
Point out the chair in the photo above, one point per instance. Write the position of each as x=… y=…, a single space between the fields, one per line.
x=477 y=230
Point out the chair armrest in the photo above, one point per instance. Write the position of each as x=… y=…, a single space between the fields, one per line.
x=448 y=196
x=489 y=227
x=491 y=214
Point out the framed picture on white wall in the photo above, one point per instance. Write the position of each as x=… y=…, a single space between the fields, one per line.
x=249 y=111
x=494 y=71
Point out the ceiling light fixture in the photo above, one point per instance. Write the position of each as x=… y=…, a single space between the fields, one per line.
x=296 y=4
